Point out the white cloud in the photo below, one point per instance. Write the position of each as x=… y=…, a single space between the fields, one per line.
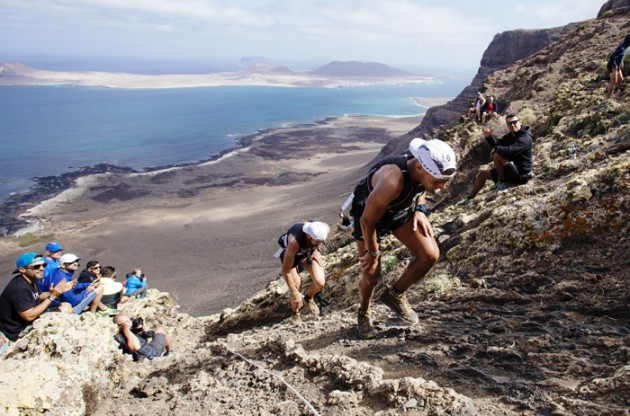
x=558 y=12
x=378 y=30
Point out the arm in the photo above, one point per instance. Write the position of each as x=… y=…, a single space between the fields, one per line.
x=77 y=294
x=31 y=314
x=420 y=220
x=387 y=184
x=287 y=263
x=133 y=343
x=487 y=134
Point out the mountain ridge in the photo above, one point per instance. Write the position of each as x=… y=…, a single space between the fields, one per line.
x=526 y=313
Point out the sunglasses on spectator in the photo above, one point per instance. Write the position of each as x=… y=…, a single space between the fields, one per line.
x=37 y=266
x=512 y=122
x=74 y=262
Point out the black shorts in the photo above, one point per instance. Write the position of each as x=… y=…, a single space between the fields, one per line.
x=298 y=262
x=512 y=175
x=385 y=225
x=611 y=66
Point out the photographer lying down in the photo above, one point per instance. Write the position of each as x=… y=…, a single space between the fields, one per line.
x=142 y=344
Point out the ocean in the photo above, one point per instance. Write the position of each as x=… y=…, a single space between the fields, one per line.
x=48 y=131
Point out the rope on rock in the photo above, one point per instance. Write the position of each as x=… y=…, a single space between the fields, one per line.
x=274 y=374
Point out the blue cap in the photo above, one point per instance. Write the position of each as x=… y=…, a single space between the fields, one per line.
x=54 y=247
x=27 y=259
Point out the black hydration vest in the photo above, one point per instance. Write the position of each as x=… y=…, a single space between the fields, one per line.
x=402 y=201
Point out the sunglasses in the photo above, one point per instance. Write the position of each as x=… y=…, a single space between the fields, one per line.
x=38 y=266
x=449 y=172
x=74 y=262
x=513 y=122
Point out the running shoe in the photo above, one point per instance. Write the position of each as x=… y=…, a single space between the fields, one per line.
x=398 y=303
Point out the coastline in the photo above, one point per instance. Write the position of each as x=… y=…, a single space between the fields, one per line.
x=214 y=223
x=19 y=212
x=13 y=74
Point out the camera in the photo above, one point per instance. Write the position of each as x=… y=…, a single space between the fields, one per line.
x=137 y=325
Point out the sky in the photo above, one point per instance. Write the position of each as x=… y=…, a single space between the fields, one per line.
x=407 y=34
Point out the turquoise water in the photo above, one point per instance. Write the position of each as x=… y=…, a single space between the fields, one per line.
x=52 y=130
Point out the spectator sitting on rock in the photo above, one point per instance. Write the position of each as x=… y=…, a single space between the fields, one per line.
x=299 y=250
x=83 y=294
x=53 y=252
x=475 y=108
x=490 y=110
x=91 y=273
x=615 y=65
x=142 y=344
x=22 y=301
x=113 y=292
x=136 y=284
x=512 y=158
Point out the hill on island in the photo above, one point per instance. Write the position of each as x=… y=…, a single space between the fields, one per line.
x=526 y=313
x=359 y=69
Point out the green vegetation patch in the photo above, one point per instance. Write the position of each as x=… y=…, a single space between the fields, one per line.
x=32 y=239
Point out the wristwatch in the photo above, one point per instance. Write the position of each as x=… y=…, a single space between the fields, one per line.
x=424 y=208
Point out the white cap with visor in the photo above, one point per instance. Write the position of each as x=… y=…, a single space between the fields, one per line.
x=435 y=156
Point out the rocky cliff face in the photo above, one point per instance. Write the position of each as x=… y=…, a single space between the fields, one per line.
x=613 y=6
x=526 y=314
x=505 y=49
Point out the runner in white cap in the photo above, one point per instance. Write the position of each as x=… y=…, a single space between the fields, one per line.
x=391 y=199
x=299 y=251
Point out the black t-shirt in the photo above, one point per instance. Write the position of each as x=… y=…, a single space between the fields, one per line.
x=86 y=276
x=18 y=296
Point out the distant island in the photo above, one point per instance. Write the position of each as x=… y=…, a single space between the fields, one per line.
x=260 y=73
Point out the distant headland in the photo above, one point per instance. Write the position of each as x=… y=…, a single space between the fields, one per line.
x=332 y=75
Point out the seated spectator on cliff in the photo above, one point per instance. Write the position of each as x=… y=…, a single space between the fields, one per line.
x=113 y=292
x=21 y=301
x=91 y=273
x=615 y=65
x=345 y=221
x=136 y=284
x=136 y=340
x=511 y=156
x=83 y=294
x=490 y=110
x=475 y=108
x=53 y=252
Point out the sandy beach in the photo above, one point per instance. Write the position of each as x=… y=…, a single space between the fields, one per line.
x=206 y=233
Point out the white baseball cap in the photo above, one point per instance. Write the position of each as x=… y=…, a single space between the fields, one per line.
x=317 y=230
x=435 y=156
x=68 y=258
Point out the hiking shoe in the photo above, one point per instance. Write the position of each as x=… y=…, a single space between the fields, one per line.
x=312 y=306
x=398 y=303
x=464 y=202
x=365 y=327
x=296 y=319
x=500 y=186
x=107 y=312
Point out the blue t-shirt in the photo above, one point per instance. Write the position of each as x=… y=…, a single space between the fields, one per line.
x=51 y=265
x=73 y=296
